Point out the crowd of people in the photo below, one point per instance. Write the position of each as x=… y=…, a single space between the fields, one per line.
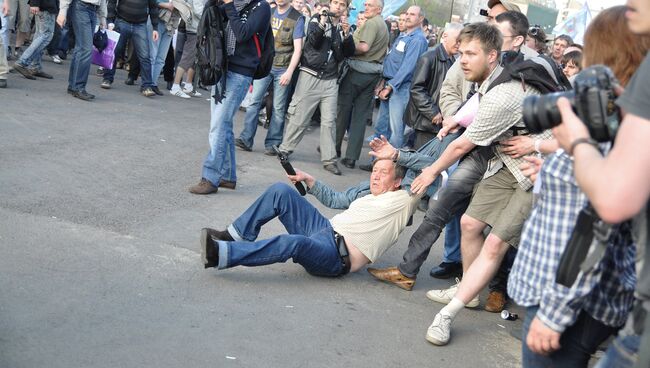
x=450 y=105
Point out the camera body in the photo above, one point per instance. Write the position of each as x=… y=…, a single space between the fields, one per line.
x=592 y=99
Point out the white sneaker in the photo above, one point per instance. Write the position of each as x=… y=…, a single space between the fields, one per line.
x=444 y=296
x=56 y=59
x=192 y=92
x=178 y=92
x=440 y=330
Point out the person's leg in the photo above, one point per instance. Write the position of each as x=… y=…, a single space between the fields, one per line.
x=125 y=30
x=162 y=52
x=451 y=250
x=328 y=106
x=5 y=30
x=24 y=26
x=83 y=26
x=276 y=128
x=52 y=47
x=45 y=32
x=220 y=161
x=4 y=66
x=621 y=353
x=472 y=239
x=500 y=280
x=260 y=86
x=396 y=106
x=344 y=110
x=140 y=40
x=168 y=68
x=301 y=108
x=382 y=126
x=363 y=88
x=452 y=200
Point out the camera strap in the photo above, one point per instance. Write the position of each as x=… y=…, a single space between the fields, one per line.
x=602 y=232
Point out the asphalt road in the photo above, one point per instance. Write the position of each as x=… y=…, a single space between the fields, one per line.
x=100 y=263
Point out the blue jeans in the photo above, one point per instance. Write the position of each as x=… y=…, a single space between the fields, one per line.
x=84 y=19
x=451 y=250
x=220 y=162
x=276 y=127
x=310 y=241
x=31 y=58
x=390 y=121
x=140 y=36
x=159 y=51
x=577 y=342
x=621 y=353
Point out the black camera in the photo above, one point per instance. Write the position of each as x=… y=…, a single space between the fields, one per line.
x=592 y=99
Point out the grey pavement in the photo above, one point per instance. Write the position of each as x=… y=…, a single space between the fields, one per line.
x=100 y=263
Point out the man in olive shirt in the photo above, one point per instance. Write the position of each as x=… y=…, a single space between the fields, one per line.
x=357 y=87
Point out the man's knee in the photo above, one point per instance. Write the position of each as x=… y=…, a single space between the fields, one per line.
x=471 y=226
x=494 y=248
x=281 y=189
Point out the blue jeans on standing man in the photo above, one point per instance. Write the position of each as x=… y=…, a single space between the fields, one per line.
x=159 y=51
x=139 y=34
x=84 y=20
x=390 y=121
x=219 y=164
x=310 y=240
x=276 y=127
x=31 y=58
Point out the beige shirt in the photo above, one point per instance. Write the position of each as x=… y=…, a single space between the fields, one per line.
x=373 y=223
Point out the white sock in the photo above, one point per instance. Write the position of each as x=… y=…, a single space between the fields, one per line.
x=452 y=309
x=176 y=87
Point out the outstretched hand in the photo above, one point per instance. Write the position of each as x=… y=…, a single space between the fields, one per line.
x=381 y=148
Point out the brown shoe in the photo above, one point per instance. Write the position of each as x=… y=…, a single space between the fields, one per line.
x=203 y=187
x=496 y=301
x=227 y=184
x=393 y=276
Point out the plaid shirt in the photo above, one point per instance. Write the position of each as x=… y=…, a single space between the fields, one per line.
x=606 y=292
x=499 y=110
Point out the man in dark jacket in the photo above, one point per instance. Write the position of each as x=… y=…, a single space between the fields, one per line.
x=247 y=20
x=131 y=23
x=29 y=64
x=422 y=111
x=328 y=43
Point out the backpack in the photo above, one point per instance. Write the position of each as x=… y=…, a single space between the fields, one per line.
x=211 y=57
x=265 y=48
x=539 y=72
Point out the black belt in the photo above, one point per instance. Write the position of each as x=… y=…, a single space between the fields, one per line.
x=343 y=252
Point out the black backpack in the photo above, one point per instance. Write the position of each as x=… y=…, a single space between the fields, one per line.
x=265 y=48
x=539 y=71
x=211 y=57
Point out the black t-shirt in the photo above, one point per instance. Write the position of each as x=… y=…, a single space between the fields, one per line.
x=635 y=100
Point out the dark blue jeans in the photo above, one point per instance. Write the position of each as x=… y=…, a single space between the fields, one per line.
x=310 y=241
x=139 y=34
x=577 y=342
x=84 y=19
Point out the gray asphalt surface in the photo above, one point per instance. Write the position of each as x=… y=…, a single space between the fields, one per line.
x=100 y=263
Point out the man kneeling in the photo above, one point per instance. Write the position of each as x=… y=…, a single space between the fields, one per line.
x=347 y=242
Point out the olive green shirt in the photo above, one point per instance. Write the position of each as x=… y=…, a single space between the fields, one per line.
x=375 y=33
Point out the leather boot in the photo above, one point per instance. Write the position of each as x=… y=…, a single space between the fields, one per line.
x=392 y=275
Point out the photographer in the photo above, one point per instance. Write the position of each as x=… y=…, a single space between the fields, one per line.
x=565 y=325
x=618 y=185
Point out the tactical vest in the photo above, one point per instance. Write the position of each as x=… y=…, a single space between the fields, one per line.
x=284 y=39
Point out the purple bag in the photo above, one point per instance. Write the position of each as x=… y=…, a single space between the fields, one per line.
x=106 y=57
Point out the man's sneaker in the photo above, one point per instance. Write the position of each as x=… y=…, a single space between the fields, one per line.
x=444 y=296
x=83 y=95
x=440 y=330
x=99 y=71
x=106 y=84
x=156 y=90
x=148 y=92
x=333 y=168
x=129 y=81
x=24 y=71
x=203 y=187
x=178 y=93
x=192 y=92
x=209 y=250
x=42 y=74
x=240 y=143
x=56 y=59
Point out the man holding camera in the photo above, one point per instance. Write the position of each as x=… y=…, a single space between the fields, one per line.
x=362 y=233
x=328 y=42
x=618 y=185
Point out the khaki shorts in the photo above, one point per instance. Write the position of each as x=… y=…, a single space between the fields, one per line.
x=500 y=202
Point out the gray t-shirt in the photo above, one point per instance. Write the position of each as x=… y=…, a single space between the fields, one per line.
x=635 y=101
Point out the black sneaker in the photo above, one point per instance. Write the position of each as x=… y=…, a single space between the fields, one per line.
x=83 y=95
x=333 y=168
x=129 y=81
x=42 y=74
x=348 y=162
x=240 y=143
x=156 y=90
x=106 y=84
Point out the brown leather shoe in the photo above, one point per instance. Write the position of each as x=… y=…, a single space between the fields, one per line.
x=496 y=301
x=203 y=187
x=392 y=275
x=227 y=184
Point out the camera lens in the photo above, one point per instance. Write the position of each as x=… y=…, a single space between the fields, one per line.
x=541 y=112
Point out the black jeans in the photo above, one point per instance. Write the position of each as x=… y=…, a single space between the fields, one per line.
x=452 y=199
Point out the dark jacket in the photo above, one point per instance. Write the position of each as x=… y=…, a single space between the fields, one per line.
x=316 y=57
x=50 y=6
x=429 y=73
x=137 y=11
x=245 y=26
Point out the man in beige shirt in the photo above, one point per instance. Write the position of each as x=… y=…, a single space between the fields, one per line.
x=324 y=247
